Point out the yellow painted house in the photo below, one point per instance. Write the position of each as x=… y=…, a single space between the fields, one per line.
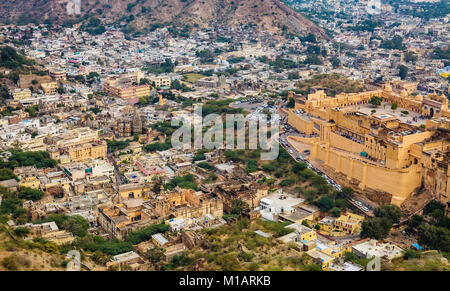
x=326 y=224
x=30 y=182
x=305 y=233
x=349 y=223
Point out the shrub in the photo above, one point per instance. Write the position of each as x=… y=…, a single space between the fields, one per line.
x=410 y=254
x=6 y=174
x=21 y=231
x=325 y=203
x=205 y=165
x=10 y=263
x=136 y=237
x=75 y=224
x=30 y=194
x=377 y=227
x=336 y=212
x=247 y=256
x=297 y=167
x=392 y=212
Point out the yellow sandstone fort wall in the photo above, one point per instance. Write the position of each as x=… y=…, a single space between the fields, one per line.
x=300 y=124
x=400 y=183
x=307 y=140
x=345 y=144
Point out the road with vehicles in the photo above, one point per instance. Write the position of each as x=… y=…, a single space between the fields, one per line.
x=290 y=131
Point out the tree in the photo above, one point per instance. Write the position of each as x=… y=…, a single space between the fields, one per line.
x=410 y=254
x=309 y=38
x=287 y=182
x=7 y=174
x=40 y=159
x=402 y=72
x=377 y=228
x=325 y=203
x=237 y=206
x=435 y=237
x=252 y=166
x=410 y=57
x=336 y=212
x=394 y=105
x=199 y=156
x=270 y=182
x=335 y=62
x=392 y=212
x=158 y=146
x=291 y=103
x=269 y=167
x=347 y=191
x=185 y=182
x=205 y=165
x=375 y=101
x=298 y=167
x=146 y=233
x=21 y=231
x=144 y=81
x=432 y=206
x=80 y=79
x=30 y=194
x=158 y=182
x=415 y=221
x=75 y=224
x=395 y=43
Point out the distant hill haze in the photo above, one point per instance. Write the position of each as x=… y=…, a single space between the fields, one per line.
x=269 y=15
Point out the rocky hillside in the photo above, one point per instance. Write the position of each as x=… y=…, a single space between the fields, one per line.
x=270 y=15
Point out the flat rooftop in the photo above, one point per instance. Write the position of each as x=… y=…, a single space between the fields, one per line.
x=282 y=200
x=384 y=112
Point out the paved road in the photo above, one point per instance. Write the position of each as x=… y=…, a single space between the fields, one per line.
x=116 y=172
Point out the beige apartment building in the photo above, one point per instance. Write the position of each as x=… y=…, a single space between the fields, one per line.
x=21 y=94
x=126 y=86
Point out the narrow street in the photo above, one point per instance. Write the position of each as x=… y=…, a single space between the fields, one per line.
x=117 y=175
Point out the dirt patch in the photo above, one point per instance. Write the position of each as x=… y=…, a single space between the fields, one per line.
x=26 y=81
x=27 y=260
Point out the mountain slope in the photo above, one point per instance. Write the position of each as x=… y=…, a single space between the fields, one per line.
x=270 y=15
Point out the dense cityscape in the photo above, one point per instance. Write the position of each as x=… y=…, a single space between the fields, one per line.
x=356 y=96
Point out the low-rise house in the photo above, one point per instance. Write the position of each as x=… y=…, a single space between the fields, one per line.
x=159 y=240
x=348 y=222
x=10 y=184
x=326 y=224
x=130 y=259
x=370 y=248
x=51 y=232
x=346 y=266
x=278 y=203
x=174 y=250
x=303 y=212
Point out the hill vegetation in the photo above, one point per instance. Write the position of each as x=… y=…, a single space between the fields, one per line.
x=332 y=84
x=180 y=16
